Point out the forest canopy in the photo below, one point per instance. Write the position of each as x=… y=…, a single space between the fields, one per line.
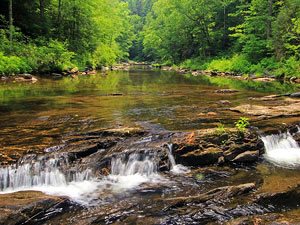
x=256 y=36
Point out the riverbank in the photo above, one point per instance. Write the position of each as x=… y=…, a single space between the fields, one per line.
x=232 y=75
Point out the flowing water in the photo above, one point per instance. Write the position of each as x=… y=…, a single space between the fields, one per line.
x=282 y=150
x=37 y=118
x=175 y=168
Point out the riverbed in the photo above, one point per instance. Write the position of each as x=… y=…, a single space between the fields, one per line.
x=39 y=120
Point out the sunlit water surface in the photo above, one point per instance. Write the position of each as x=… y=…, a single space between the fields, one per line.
x=36 y=116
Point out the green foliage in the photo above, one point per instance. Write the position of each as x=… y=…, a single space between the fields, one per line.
x=289 y=68
x=240 y=64
x=221 y=128
x=195 y=63
x=199 y=176
x=221 y=65
x=242 y=123
x=52 y=56
x=225 y=35
x=11 y=65
x=104 y=56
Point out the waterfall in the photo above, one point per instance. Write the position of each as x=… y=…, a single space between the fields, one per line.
x=49 y=175
x=54 y=175
x=128 y=172
x=136 y=164
x=39 y=172
x=175 y=168
x=282 y=150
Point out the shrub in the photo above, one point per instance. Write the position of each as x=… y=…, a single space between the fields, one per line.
x=54 y=56
x=240 y=64
x=223 y=65
x=11 y=65
x=289 y=68
x=242 y=123
x=104 y=56
x=194 y=64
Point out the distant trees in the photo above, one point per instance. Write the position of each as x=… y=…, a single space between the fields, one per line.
x=99 y=32
x=177 y=30
x=253 y=34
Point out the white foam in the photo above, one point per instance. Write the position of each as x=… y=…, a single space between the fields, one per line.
x=48 y=177
x=282 y=150
x=175 y=168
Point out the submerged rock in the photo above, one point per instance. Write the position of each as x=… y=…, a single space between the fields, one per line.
x=283 y=110
x=226 y=91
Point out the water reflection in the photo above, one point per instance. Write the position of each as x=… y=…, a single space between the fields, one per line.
x=37 y=115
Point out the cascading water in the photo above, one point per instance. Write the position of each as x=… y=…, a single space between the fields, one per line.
x=282 y=150
x=128 y=172
x=53 y=176
x=48 y=175
x=175 y=168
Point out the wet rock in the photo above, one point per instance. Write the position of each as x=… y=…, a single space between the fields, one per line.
x=226 y=91
x=247 y=157
x=25 y=77
x=265 y=79
x=201 y=157
x=224 y=102
x=218 y=194
x=43 y=118
x=295 y=95
x=56 y=75
x=276 y=202
x=74 y=70
x=29 y=207
x=205 y=147
x=282 y=110
x=214 y=73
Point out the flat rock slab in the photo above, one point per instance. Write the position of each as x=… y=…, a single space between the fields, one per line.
x=23 y=207
x=226 y=91
x=271 y=111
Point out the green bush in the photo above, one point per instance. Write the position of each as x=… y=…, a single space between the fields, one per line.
x=104 y=56
x=240 y=64
x=11 y=65
x=223 y=65
x=289 y=68
x=194 y=64
x=52 y=57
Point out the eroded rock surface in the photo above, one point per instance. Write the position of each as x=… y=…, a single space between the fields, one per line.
x=29 y=207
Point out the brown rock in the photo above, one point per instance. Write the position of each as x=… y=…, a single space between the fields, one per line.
x=248 y=156
x=202 y=157
x=23 y=207
x=74 y=70
x=221 y=193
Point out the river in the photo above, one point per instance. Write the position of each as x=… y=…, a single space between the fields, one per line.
x=36 y=118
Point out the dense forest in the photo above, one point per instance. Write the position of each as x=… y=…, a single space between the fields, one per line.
x=245 y=36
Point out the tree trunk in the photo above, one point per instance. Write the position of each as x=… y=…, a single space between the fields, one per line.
x=42 y=10
x=10 y=22
x=224 y=28
x=59 y=11
x=269 y=19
